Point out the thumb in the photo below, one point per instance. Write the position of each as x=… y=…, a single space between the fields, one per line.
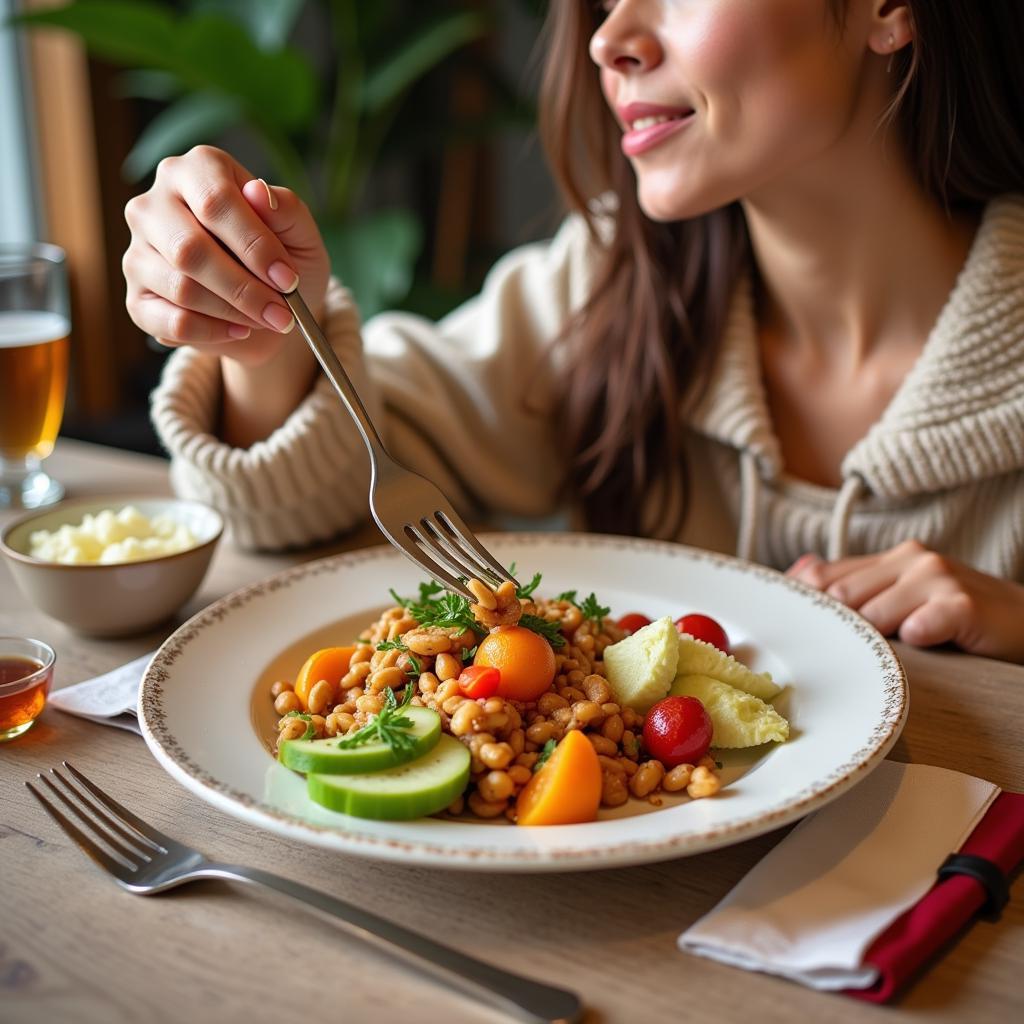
x=288 y=217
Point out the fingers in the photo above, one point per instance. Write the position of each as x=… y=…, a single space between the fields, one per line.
x=173 y=325
x=281 y=210
x=150 y=273
x=209 y=182
x=938 y=621
x=192 y=252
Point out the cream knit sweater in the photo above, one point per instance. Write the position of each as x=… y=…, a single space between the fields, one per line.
x=944 y=464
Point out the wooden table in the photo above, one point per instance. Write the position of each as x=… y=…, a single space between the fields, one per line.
x=73 y=947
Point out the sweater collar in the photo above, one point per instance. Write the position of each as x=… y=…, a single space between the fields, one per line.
x=957 y=417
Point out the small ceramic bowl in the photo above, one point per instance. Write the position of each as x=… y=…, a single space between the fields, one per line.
x=115 y=599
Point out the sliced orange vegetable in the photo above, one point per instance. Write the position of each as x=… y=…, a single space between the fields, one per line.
x=330 y=663
x=524 y=658
x=567 y=789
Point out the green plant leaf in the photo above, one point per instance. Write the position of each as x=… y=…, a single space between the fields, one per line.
x=414 y=57
x=148 y=84
x=198 y=117
x=278 y=88
x=374 y=256
x=269 y=22
x=123 y=31
x=207 y=52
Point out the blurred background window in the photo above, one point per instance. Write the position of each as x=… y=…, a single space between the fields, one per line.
x=408 y=127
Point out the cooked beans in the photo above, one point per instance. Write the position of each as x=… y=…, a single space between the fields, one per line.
x=321 y=695
x=447 y=666
x=286 y=702
x=504 y=737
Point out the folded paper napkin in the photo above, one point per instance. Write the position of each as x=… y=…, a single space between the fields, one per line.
x=109 y=699
x=849 y=899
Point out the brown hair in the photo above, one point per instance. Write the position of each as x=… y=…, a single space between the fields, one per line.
x=644 y=342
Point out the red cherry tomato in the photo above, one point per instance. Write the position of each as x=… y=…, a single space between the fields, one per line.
x=479 y=681
x=703 y=627
x=633 y=621
x=677 y=730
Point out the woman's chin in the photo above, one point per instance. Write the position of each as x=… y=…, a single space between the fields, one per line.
x=665 y=206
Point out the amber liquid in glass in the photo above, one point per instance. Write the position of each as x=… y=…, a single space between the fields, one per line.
x=23 y=705
x=33 y=379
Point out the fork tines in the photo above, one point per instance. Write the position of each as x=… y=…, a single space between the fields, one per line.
x=125 y=848
x=444 y=538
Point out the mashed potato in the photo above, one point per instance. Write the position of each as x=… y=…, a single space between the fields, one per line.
x=112 y=536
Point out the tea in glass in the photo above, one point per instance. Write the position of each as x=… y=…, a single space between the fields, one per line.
x=26 y=672
x=34 y=343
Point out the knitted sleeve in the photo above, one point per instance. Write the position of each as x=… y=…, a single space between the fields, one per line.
x=465 y=401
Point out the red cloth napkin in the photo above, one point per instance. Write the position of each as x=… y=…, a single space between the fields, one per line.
x=917 y=935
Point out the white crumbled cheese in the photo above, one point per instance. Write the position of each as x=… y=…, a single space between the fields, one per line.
x=112 y=536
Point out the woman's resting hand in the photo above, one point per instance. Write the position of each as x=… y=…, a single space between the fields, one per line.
x=925 y=598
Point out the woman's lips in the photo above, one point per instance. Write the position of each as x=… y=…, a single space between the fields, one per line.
x=639 y=140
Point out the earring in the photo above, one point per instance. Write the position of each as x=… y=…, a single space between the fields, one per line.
x=890 y=42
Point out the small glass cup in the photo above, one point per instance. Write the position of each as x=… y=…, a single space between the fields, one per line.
x=26 y=672
x=35 y=328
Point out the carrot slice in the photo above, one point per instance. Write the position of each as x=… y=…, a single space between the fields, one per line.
x=567 y=790
x=330 y=663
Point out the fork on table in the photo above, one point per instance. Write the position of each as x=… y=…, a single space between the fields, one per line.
x=411 y=511
x=145 y=861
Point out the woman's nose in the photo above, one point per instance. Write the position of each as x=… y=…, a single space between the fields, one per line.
x=624 y=42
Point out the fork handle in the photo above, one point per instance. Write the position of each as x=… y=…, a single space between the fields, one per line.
x=529 y=1000
x=336 y=374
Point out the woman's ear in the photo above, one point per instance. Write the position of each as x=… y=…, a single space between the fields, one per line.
x=891 y=27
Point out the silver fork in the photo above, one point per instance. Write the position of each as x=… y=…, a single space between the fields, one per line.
x=145 y=861
x=411 y=511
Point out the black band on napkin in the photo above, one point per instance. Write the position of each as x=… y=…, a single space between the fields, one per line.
x=983 y=871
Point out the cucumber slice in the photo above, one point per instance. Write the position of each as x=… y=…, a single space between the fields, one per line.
x=410 y=790
x=326 y=757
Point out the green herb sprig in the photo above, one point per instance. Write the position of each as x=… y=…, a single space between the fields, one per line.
x=545 y=752
x=551 y=631
x=398 y=644
x=525 y=591
x=390 y=726
x=590 y=607
x=308 y=719
x=448 y=610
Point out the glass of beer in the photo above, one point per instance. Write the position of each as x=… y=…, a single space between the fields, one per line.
x=34 y=328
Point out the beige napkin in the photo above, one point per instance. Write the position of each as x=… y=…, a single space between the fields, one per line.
x=109 y=699
x=812 y=907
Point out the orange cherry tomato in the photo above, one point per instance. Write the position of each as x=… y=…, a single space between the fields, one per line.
x=524 y=659
x=478 y=681
x=566 y=790
x=330 y=663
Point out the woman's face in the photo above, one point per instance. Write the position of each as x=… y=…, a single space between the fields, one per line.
x=719 y=99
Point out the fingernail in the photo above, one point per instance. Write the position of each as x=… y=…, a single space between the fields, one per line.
x=285 y=279
x=238 y=331
x=271 y=198
x=278 y=317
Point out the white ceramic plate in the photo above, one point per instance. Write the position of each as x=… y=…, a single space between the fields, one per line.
x=206 y=715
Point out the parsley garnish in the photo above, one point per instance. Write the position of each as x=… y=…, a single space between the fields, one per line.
x=398 y=644
x=592 y=609
x=526 y=591
x=308 y=719
x=448 y=610
x=389 y=727
x=551 y=631
x=545 y=752
x=469 y=653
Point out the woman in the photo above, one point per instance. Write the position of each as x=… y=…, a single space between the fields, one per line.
x=786 y=317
